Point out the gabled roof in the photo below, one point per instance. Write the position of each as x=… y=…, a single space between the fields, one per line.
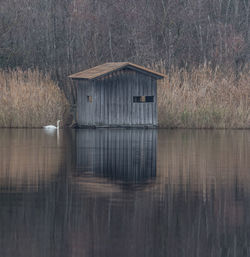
x=107 y=68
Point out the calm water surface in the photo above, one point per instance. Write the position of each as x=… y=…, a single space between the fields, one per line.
x=137 y=193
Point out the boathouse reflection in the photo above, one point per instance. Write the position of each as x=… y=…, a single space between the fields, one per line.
x=118 y=154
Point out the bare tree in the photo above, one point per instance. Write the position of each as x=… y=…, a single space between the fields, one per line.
x=63 y=36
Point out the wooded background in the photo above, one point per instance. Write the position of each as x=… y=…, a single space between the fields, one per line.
x=65 y=36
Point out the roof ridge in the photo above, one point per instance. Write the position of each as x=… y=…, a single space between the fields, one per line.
x=109 y=67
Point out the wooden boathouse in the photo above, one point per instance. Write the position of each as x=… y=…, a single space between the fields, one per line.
x=117 y=94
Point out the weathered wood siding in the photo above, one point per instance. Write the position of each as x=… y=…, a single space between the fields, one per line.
x=120 y=154
x=85 y=109
x=113 y=100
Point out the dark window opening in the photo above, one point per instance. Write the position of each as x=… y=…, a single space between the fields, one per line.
x=136 y=99
x=143 y=99
x=89 y=98
x=150 y=99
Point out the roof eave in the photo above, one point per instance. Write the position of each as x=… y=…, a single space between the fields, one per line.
x=77 y=78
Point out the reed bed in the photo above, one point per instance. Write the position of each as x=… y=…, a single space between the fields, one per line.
x=204 y=98
x=29 y=99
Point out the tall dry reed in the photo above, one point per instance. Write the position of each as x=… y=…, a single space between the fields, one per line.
x=204 y=98
x=29 y=99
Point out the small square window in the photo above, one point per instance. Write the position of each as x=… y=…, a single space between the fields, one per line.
x=89 y=98
x=136 y=99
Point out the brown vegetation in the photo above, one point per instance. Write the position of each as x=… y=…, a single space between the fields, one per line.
x=205 y=98
x=29 y=99
x=200 y=98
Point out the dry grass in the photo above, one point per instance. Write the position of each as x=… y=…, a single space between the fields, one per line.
x=29 y=99
x=204 y=98
x=200 y=98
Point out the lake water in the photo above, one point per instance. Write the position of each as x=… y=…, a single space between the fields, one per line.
x=136 y=193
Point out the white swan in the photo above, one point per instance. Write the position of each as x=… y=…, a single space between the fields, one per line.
x=52 y=126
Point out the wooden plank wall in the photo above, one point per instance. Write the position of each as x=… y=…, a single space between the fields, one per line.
x=113 y=100
x=85 y=109
x=118 y=154
x=143 y=113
